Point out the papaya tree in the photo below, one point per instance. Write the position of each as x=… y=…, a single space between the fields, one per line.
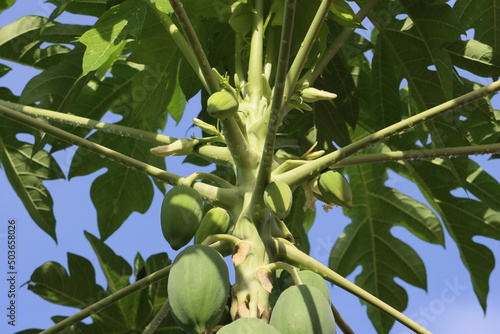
x=301 y=109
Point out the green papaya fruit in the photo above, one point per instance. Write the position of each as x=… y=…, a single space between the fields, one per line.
x=222 y=105
x=302 y=309
x=278 y=198
x=335 y=188
x=248 y=326
x=215 y=221
x=198 y=288
x=310 y=278
x=181 y=213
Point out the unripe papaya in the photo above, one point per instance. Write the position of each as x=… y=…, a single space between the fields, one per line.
x=248 y=326
x=310 y=278
x=215 y=221
x=198 y=288
x=181 y=213
x=222 y=105
x=278 y=198
x=302 y=309
x=335 y=188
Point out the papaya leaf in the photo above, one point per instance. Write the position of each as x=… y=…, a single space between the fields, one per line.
x=300 y=220
x=416 y=44
x=195 y=8
x=385 y=79
x=338 y=79
x=78 y=288
x=344 y=15
x=116 y=270
x=26 y=172
x=429 y=27
x=464 y=218
x=154 y=86
x=330 y=123
x=475 y=57
x=483 y=18
x=82 y=7
x=5 y=4
x=479 y=122
x=110 y=31
x=51 y=87
x=177 y=104
x=156 y=262
x=368 y=241
x=20 y=42
x=121 y=190
x=63 y=33
x=4 y=69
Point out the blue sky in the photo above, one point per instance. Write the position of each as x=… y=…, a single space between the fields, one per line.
x=449 y=306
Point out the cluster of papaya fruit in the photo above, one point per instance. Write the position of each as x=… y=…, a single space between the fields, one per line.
x=199 y=302
x=182 y=208
x=199 y=284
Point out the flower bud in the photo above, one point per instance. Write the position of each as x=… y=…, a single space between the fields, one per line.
x=311 y=94
x=182 y=146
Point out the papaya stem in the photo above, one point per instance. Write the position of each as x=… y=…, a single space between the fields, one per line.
x=221 y=197
x=210 y=177
x=313 y=168
x=239 y=71
x=418 y=154
x=211 y=239
x=344 y=327
x=305 y=47
x=255 y=62
x=158 y=318
x=288 y=252
x=90 y=123
x=206 y=69
x=337 y=43
x=105 y=302
x=214 y=154
x=288 y=267
x=181 y=42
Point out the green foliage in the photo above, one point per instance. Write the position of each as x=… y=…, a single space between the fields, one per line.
x=78 y=288
x=143 y=60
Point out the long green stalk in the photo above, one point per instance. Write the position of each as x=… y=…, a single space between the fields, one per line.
x=304 y=261
x=303 y=173
x=448 y=152
x=224 y=197
x=255 y=62
x=340 y=321
x=214 y=154
x=105 y=302
x=158 y=318
x=338 y=42
x=90 y=123
x=206 y=69
x=305 y=47
x=181 y=42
